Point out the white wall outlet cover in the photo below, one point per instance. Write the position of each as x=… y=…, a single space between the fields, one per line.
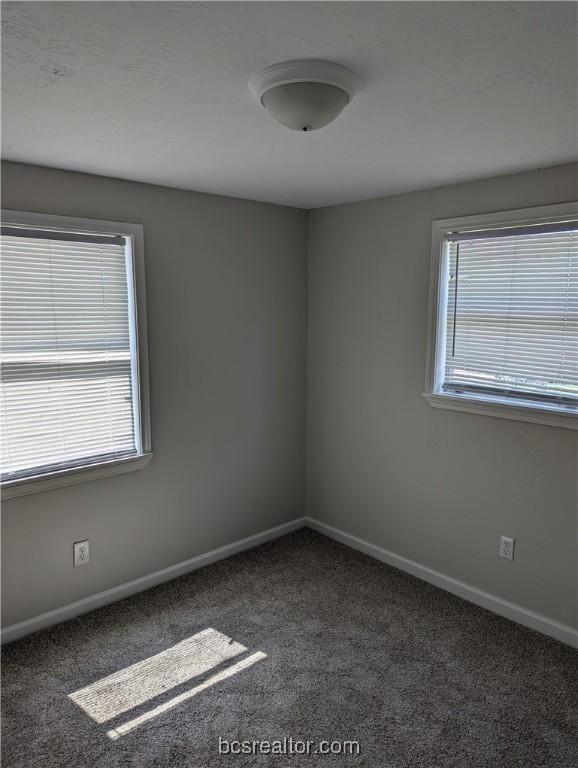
x=81 y=552
x=507 y=547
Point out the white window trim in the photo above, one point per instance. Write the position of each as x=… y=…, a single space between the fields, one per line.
x=93 y=470
x=473 y=403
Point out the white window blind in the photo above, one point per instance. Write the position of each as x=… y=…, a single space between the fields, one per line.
x=511 y=319
x=69 y=387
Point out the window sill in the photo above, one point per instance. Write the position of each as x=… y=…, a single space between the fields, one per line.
x=61 y=478
x=516 y=410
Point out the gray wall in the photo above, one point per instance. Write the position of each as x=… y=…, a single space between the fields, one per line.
x=226 y=288
x=433 y=486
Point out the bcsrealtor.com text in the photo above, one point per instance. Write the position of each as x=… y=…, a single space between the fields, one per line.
x=288 y=746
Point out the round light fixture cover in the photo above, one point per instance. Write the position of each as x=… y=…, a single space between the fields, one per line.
x=304 y=95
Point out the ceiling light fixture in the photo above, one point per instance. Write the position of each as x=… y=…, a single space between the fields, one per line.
x=304 y=95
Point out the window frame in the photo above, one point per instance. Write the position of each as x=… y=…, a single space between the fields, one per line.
x=88 y=471
x=486 y=405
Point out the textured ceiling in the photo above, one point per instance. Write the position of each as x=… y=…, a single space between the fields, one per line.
x=157 y=92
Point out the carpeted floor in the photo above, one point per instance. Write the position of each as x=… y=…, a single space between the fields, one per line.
x=300 y=638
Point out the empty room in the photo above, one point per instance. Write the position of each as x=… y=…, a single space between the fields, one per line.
x=289 y=384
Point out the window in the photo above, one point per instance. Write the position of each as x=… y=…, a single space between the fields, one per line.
x=73 y=385
x=504 y=326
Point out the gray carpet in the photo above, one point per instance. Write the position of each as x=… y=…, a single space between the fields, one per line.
x=300 y=638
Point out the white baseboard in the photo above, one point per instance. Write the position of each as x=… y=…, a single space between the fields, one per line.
x=536 y=621
x=44 y=620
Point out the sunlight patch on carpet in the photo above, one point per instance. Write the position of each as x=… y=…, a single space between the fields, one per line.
x=133 y=686
x=129 y=726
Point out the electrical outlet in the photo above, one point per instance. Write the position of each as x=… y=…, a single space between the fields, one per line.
x=506 y=547
x=81 y=552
